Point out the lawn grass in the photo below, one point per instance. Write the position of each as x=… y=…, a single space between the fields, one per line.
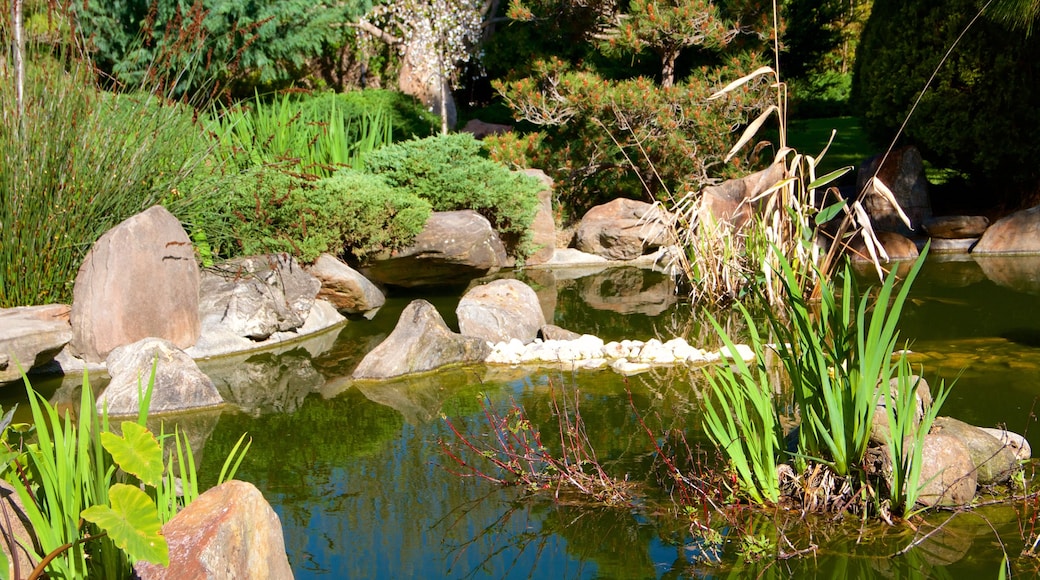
x=850 y=145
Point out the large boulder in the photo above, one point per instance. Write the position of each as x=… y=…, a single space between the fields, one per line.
x=345 y=288
x=454 y=248
x=623 y=229
x=1018 y=233
x=543 y=228
x=179 y=384
x=140 y=279
x=903 y=174
x=30 y=336
x=947 y=472
x=501 y=311
x=731 y=202
x=257 y=296
x=995 y=462
x=421 y=341
x=228 y=532
x=955 y=227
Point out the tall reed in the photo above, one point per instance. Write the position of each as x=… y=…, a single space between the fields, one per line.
x=76 y=162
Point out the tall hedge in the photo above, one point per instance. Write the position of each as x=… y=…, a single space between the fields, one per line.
x=979 y=117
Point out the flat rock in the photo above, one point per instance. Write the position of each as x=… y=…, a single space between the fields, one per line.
x=623 y=229
x=179 y=384
x=500 y=311
x=31 y=336
x=952 y=227
x=140 y=279
x=420 y=342
x=229 y=532
x=454 y=248
x=344 y=287
x=1018 y=233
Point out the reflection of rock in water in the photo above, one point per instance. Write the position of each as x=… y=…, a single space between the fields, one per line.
x=1021 y=273
x=266 y=382
x=955 y=273
x=628 y=290
x=416 y=397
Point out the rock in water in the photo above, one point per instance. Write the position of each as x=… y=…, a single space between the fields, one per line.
x=500 y=311
x=31 y=336
x=140 y=279
x=421 y=341
x=229 y=532
x=179 y=384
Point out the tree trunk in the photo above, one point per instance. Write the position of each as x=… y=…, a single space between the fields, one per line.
x=420 y=78
x=668 y=67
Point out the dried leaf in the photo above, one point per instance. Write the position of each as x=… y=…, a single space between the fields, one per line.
x=741 y=81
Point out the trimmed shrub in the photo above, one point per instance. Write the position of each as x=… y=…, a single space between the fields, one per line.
x=451 y=173
x=351 y=214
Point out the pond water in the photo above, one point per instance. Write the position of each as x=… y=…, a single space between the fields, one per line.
x=359 y=478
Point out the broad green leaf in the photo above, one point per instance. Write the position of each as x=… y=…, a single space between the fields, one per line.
x=132 y=523
x=136 y=452
x=833 y=175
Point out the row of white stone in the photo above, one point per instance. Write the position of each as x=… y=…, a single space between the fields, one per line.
x=627 y=357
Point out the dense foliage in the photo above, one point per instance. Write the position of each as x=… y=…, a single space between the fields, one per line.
x=351 y=213
x=263 y=43
x=619 y=98
x=451 y=173
x=978 y=116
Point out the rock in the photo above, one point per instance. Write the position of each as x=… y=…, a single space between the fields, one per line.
x=140 y=279
x=574 y=257
x=543 y=228
x=500 y=311
x=454 y=248
x=228 y=532
x=730 y=202
x=1018 y=444
x=995 y=462
x=553 y=332
x=421 y=341
x=952 y=246
x=257 y=296
x=628 y=290
x=480 y=129
x=15 y=529
x=345 y=288
x=947 y=472
x=30 y=336
x=903 y=174
x=1018 y=233
x=897 y=247
x=879 y=429
x=952 y=227
x=218 y=341
x=623 y=229
x=179 y=384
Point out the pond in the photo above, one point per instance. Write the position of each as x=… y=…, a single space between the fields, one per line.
x=359 y=477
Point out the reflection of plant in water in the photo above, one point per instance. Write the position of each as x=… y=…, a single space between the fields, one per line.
x=515 y=451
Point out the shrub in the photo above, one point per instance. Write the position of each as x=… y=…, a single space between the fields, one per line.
x=450 y=172
x=408 y=117
x=979 y=116
x=349 y=213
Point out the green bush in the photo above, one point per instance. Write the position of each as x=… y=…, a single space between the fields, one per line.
x=350 y=213
x=979 y=116
x=450 y=172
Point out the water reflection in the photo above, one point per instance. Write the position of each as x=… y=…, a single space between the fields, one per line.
x=357 y=475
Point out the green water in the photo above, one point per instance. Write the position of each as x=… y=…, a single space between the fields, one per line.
x=359 y=478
